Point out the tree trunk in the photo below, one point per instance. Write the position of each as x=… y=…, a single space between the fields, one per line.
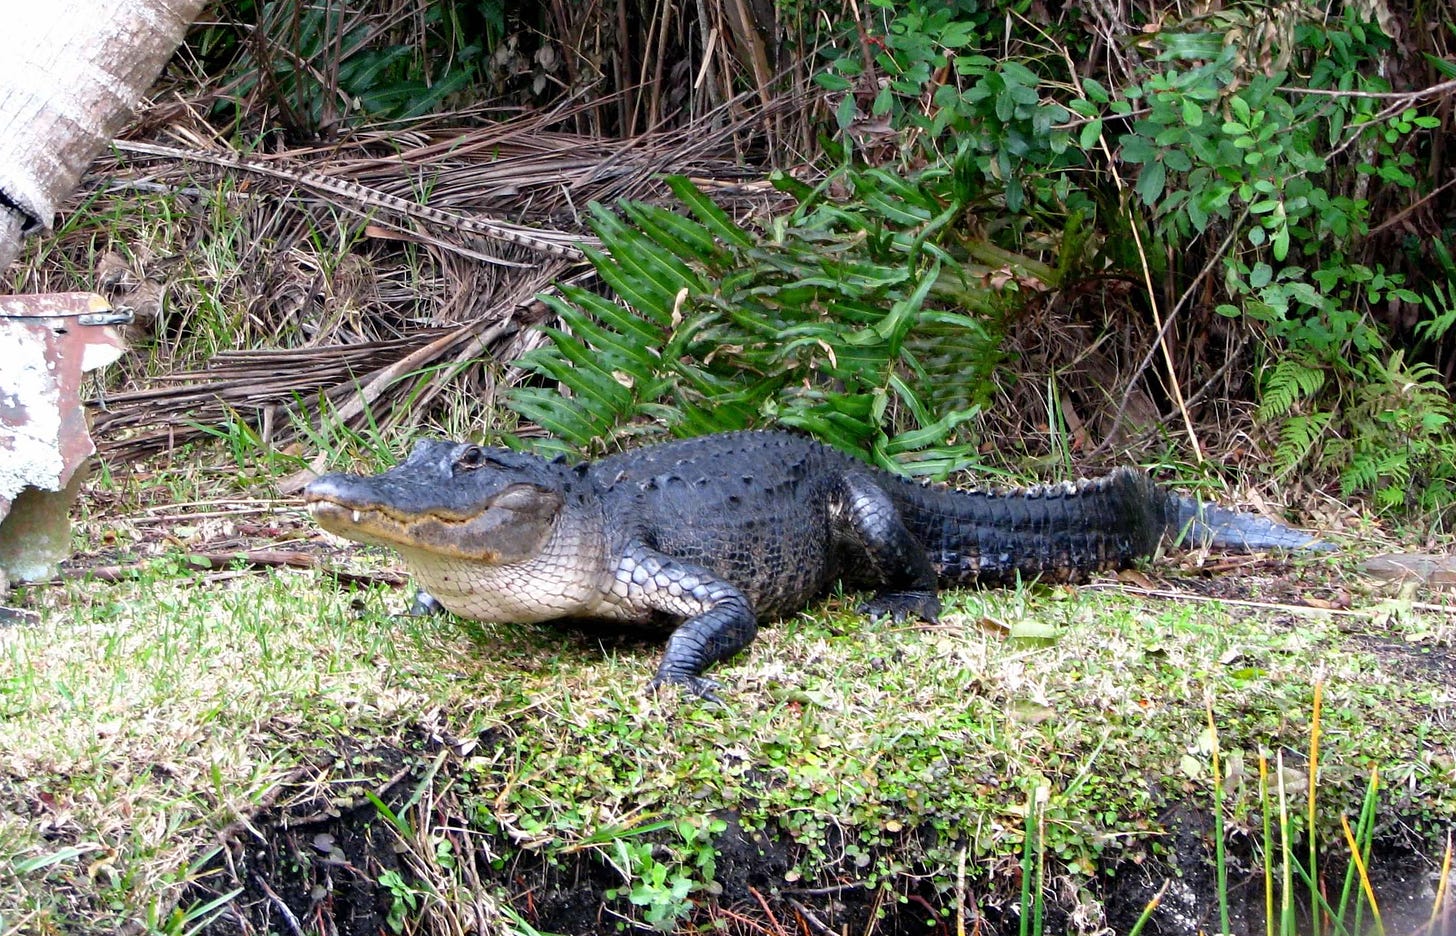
x=70 y=73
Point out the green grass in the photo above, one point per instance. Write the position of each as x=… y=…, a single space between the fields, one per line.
x=140 y=719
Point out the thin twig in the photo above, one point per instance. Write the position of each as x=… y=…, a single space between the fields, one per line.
x=1160 y=339
x=822 y=891
x=768 y=911
x=1237 y=602
x=1444 y=87
x=808 y=917
x=293 y=925
x=255 y=558
x=1407 y=210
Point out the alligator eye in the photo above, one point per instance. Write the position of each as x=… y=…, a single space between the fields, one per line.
x=471 y=457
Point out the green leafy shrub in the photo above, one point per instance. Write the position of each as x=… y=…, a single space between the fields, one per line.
x=994 y=106
x=1248 y=161
x=1222 y=149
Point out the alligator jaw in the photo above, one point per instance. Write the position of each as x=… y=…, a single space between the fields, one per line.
x=509 y=527
x=367 y=525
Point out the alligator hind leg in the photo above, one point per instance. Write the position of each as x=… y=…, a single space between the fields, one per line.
x=899 y=569
x=717 y=619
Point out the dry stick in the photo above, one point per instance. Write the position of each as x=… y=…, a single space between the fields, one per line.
x=741 y=22
x=1162 y=335
x=1402 y=98
x=387 y=378
x=766 y=909
x=742 y=920
x=1402 y=101
x=1409 y=209
x=808 y=917
x=823 y=891
x=1244 y=603
x=1234 y=357
x=293 y=925
x=1147 y=282
x=257 y=558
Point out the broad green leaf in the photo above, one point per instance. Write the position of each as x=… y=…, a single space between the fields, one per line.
x=587 y=376
x=832 y=82
x=710 y=214
x=632 y=249
x=603 y=310
x=1136 y=148
x=636 y=290
x=1190 y=46
x=907 y=215
x=1150 y=182
x=1240 y=107
x=545 y=409
x=683 y=236
x=1017 y=73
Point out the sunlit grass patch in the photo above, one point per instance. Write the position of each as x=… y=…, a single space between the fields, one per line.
x=141 y=720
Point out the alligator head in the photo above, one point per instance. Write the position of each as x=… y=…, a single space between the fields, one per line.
x=487 y=505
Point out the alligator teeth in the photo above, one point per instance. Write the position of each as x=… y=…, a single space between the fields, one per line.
x=356 y=516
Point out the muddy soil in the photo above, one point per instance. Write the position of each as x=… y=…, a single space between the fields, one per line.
x=324 y=865
x=319 y=870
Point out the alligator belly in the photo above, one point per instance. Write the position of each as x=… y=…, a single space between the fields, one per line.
x=522 y=593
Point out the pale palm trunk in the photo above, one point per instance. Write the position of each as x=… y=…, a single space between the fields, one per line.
x=71 y=73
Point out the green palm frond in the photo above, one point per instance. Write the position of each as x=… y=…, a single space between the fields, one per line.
x=850 y=323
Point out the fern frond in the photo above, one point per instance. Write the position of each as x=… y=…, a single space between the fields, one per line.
x=1297 y=437
x=1285 y=384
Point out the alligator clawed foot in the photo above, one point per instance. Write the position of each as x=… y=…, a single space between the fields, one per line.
x=902 y=606
x=700 y=686
x=424 y=604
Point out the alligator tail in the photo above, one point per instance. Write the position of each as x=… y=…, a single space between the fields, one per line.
x=1065 y=532
x=1054 y=532
x=1195 y=523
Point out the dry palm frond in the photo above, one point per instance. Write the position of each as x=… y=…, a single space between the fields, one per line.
x=381 y=382
x=364 y=322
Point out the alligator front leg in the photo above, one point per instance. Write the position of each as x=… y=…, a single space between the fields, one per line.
x=900 y=570
x=717 y=619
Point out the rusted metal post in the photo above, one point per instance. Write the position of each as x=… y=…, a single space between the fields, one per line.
x=47 y=342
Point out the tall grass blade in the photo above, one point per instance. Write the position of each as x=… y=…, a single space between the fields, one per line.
x=1286 y=853
x=1147 y=913
x=1441 y=887
x=1314 y=738
x=1030 y=847
x=1220 y=860
x=1268 y=846
x=1364 y=876
x=1363 y=829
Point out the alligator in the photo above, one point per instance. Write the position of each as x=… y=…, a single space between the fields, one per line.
x=710 y=536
